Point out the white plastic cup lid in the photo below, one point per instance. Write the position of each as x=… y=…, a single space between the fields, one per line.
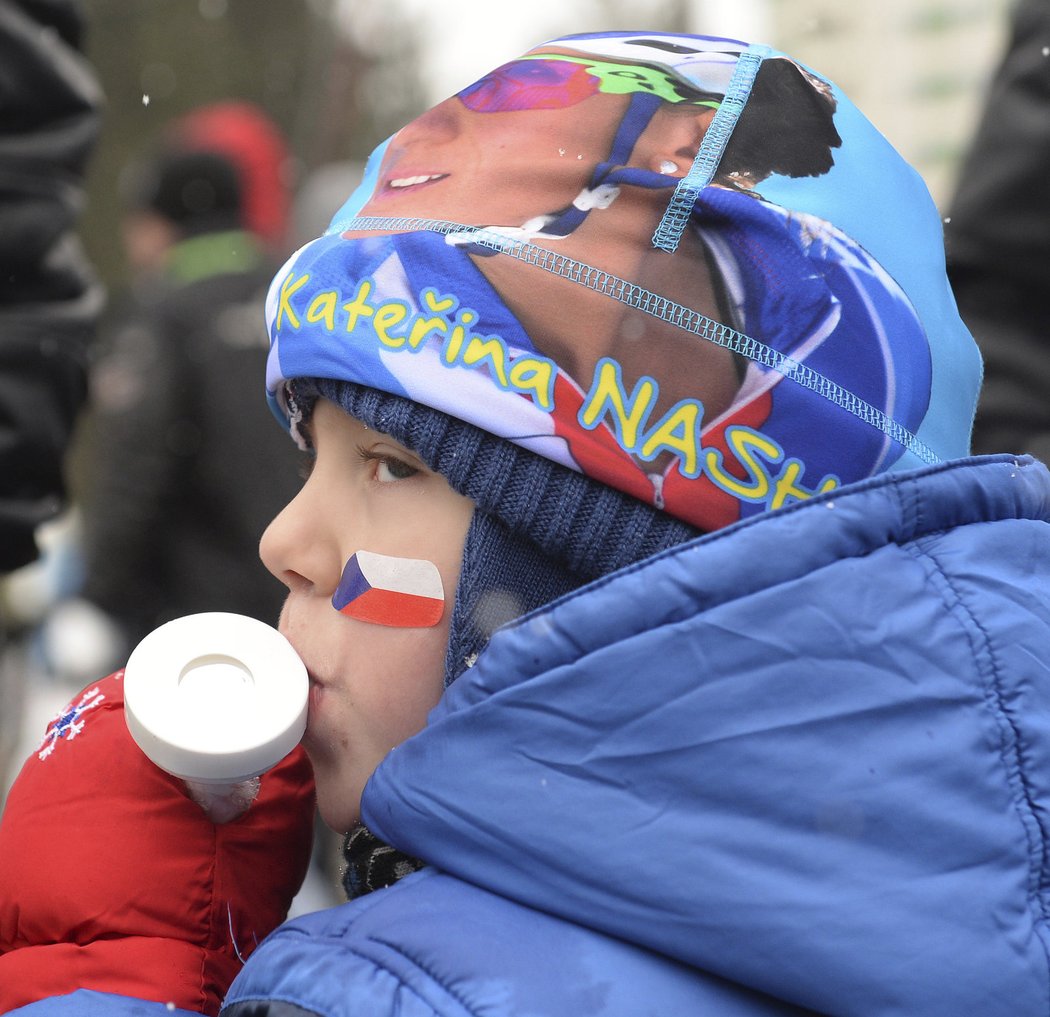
x=217 y=698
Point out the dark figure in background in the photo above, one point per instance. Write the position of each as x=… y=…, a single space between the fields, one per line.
x=186 y=467
x=49 y=299
x=999 y=242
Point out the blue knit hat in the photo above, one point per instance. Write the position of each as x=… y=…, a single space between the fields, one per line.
x=539 y=529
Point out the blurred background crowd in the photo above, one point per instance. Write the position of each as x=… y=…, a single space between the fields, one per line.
x=231 y=130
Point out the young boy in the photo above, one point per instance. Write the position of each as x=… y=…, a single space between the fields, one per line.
x=683 y=399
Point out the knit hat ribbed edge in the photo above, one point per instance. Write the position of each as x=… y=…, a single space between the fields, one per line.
x=585 y=526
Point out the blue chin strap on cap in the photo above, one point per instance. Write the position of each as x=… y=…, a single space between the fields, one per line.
x=604 y=185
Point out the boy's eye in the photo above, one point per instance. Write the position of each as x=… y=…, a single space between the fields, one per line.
x=389 y=469
x=384 y=467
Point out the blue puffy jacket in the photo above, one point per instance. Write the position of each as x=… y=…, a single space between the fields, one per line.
x=800 y=765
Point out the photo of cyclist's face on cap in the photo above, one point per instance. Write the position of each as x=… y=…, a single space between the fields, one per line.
x=521 y=142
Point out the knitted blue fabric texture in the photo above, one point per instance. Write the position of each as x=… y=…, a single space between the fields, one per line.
x=539 y=529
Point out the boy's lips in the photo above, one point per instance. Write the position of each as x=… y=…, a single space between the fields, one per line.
x=318 y=691
x=316 y=684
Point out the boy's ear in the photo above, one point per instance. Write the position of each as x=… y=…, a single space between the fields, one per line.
x=672 y=139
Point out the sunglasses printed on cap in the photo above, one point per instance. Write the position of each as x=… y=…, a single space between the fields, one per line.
x=546 y=82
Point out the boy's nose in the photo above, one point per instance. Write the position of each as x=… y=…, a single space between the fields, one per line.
x=293 y=549
x=274 y=546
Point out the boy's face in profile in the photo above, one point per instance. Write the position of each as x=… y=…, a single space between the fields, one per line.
x=372 y=685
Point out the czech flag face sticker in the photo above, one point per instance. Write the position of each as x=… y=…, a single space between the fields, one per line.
x=385 y=590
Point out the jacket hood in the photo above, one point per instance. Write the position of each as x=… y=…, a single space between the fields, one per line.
x=685 y=266
x=806 y=754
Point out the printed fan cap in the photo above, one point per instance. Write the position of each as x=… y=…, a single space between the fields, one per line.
x=687 y=267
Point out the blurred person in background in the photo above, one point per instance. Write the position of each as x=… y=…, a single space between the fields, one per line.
x=185 y=467
x=998 y=237
x=50 y=297
x=255 y=147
